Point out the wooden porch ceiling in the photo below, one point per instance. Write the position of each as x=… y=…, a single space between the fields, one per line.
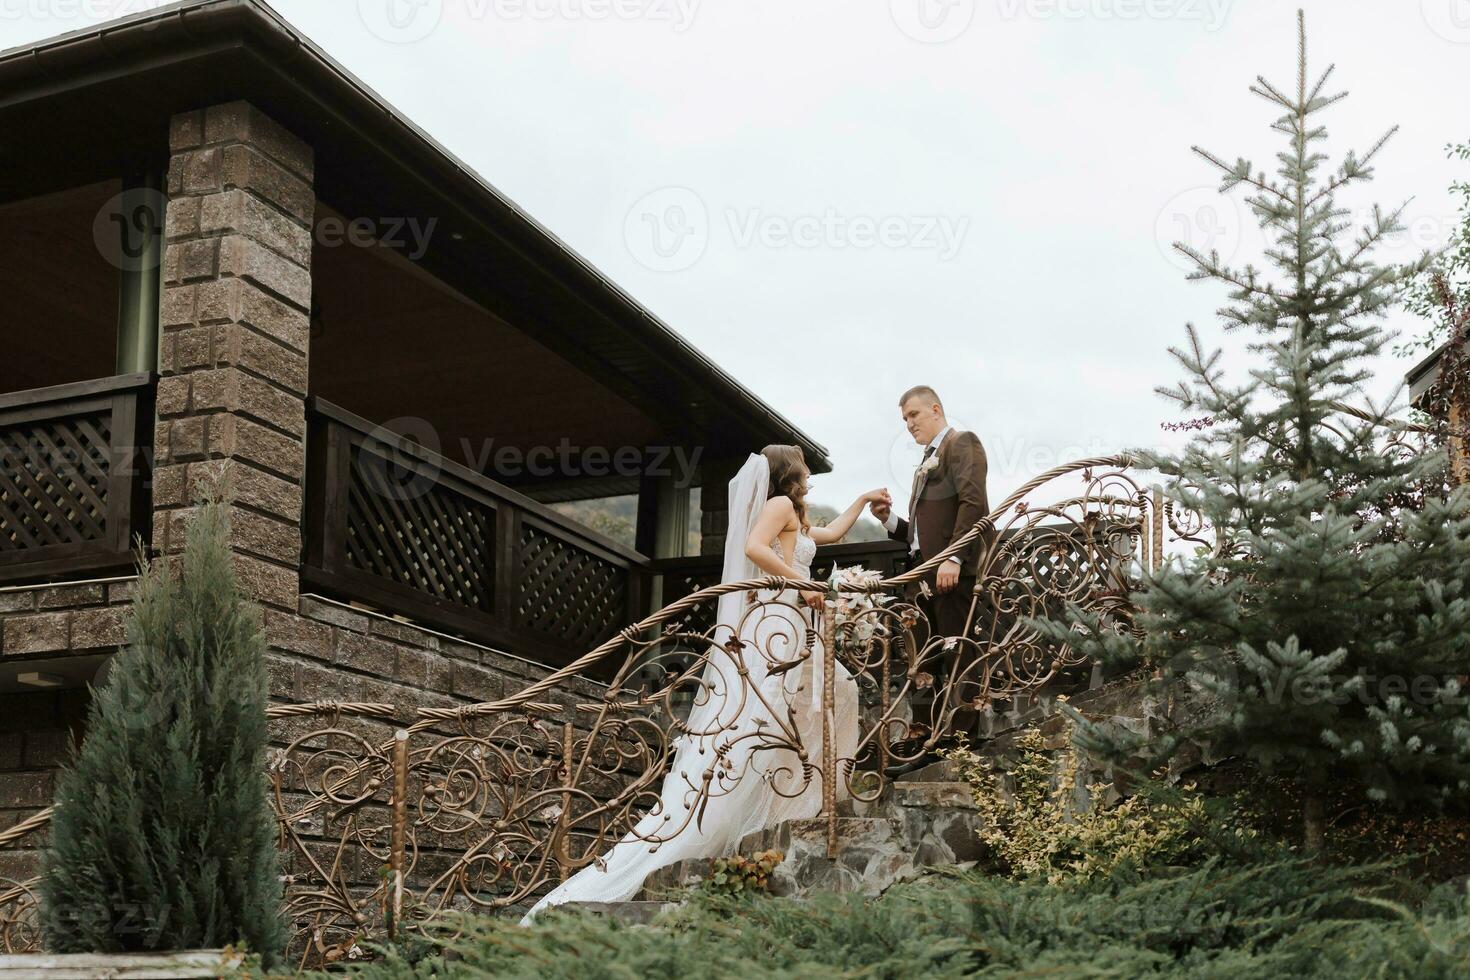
x=96 y=104
x=391 y=342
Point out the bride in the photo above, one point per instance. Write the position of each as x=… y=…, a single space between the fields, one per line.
x=741 y=733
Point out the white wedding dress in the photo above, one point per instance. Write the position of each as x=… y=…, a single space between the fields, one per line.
x=759 y=782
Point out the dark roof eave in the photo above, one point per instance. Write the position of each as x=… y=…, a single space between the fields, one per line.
x=87 y=55
x=1422 y=376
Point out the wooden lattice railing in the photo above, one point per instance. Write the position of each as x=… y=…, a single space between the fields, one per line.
x=74 y=465
x=394 y=524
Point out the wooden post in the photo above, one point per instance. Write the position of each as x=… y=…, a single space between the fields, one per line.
x=884 y=703
x=1158 y=531
x=1145 y=520
x=563 y=846
x=396 y=855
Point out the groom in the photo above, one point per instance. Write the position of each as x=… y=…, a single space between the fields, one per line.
x=947 y=498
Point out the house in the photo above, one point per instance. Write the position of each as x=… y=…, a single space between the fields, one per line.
x=225 y=256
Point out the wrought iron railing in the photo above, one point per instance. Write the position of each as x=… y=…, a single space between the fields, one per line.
x=502 y=800
x=486 y=806
x=686 y=576
x=74 y=477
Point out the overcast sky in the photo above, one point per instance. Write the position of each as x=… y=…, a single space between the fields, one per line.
x=838 y=200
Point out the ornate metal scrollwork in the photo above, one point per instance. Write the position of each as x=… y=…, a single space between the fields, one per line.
x=486 y=806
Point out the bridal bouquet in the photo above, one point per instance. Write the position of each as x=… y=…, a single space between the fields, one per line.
x=852 y=611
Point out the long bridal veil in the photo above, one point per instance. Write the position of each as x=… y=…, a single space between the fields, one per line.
x=736 y=730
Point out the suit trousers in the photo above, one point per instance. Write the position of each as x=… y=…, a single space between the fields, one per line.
x=947 y=613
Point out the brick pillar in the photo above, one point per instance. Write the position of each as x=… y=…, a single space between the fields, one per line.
x=234 y=337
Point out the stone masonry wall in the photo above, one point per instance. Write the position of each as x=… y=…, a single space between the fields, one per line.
x=233 y=367
x=47 y=622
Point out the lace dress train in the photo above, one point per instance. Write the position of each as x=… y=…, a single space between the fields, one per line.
x=759 y=783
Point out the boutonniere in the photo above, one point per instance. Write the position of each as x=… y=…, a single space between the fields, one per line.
x=929 y=465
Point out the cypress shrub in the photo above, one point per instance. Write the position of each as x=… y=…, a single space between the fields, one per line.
x=163 y=837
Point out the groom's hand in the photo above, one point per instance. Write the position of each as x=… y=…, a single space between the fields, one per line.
x=881 y=508
x=948 y=576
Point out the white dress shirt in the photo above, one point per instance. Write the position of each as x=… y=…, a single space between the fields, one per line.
x=891 y=524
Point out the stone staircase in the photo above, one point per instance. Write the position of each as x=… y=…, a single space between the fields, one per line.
x=925 y=819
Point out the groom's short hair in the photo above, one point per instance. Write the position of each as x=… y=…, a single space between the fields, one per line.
x=920 y=391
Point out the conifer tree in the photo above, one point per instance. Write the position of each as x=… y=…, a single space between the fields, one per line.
x=1328 y=631
x=163 y=837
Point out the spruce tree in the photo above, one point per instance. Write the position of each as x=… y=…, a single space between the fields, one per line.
x=1326 y=633
x=163 y=837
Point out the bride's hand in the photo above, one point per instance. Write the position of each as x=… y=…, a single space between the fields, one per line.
x=816 y=600
x=879 y=503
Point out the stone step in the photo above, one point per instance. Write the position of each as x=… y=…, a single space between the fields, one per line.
x=870 y=856
x=935 y=793
x=942 y=771
x=913 y=826
x=633 y=913
x=666 y=883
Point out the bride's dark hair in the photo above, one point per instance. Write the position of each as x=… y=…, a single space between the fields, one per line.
x=789 y=474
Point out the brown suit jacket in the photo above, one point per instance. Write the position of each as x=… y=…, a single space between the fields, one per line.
x=948 y=500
